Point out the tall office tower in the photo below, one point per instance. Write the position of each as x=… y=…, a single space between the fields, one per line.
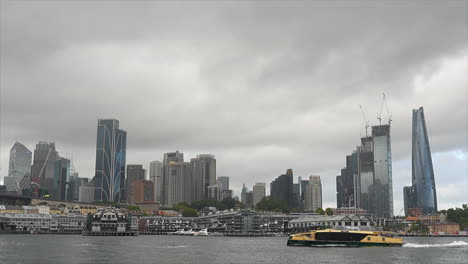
x=224 y=181
x=143 y=191
x=366 y=175
x=173 y=156
x=303 y=183
x=43 y=168
x=177 y=183
x=203 y=175
x=111 y=146
x=135 y=172
x=422 y=193
x=408 y=198
x=282 y=188
x=259 y=190
x=348 y=180
x=244 y=193
x=249 y=199
x=313 y=194
x=296 y=194
x=339 y=192
x=19 y=166
x=383 y=199
x=60 y=190
x=157 y=176
x=215 y=192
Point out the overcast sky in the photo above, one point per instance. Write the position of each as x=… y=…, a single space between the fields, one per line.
x=265 y=86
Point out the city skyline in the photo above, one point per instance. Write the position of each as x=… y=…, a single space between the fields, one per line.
x=260 y=103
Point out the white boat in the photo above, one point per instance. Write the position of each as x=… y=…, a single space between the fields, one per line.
x=203 y=232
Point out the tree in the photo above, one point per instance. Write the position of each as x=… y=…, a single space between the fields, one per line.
x=320 y=211
x=189 y=212
x=269 y=203
x=329 y=211
x=133 y=207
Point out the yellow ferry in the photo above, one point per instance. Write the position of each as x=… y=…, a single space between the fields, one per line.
x=331 y=237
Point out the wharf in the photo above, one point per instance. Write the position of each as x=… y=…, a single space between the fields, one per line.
x=110 y=233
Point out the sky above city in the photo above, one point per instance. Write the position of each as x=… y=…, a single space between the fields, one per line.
x=264 y=86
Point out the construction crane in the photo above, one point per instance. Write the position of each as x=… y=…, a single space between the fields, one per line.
x=379 y=114
x=366 y=123
x=389 y=115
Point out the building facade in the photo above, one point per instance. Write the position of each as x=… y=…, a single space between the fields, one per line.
x=156 y=176
x=203 y=175
x=383 y=186
x=86 y=193
x=259 y=191
x=19 y=166
x=43 y=168
x=135 y=172
x=60 y=190
x=177 y=183
x=111 y=146
x=282 y=188
x=422 y=194
x=313 y=195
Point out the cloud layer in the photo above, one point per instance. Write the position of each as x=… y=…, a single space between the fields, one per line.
x=264 y=86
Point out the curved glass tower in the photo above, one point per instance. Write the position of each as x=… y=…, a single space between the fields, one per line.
x=424 y=190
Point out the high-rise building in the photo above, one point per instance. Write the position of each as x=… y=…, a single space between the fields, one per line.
x=303 y=183
x=135 y=172
x=111 y=145
x=422 y=194
x=365 y=200
x=203 y=175
x=224 y=181
x=339 y=192
x=259 y=190
x=215 y=192
x=19 y=166
x=177 y=183
x=86 y=193
x=173 y=156
x=244 y=194
x=383 y=186
x=60 y=190
x=43 y=168
x=313 y=194
x=143 y=191
x=156 y=176
x=249 y=199
x=282 y=188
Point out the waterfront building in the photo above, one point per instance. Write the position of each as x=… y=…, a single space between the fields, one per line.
x=282 y=188
x=383 y=202
x=111 y=146
x=313 y=194
x=231 y=223
x=224 y=181
x=422 y=192
x=203 y=175
x=86 y=194
x=19 y=167
x=349 y=211
x=135 y=172
x=177 y=183
x=305 y=224
x=59 y=190
x=111 y=222
x=156 y=176
x=259 y=191
x=43 y=167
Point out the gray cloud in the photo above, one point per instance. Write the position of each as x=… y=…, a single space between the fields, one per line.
x=265 y=86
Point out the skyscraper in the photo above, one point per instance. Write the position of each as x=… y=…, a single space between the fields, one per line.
x=259 y=190
x=366 y=175
x=177 y=183
x=135 y=172
x=43 y=168
x=224 y=181
x=282 y=188
x=156 y=176
x=313 y=194
x=422 y=193
x=244 y=194
x=383 y=187
x=19 y=167
x=60 y=190
x=173 y=156
x=203 y=175
x=111 y=145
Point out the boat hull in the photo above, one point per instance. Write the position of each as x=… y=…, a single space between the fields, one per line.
x=318 y=243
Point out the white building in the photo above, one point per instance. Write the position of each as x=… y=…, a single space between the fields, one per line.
x=334 y=221
x=259 y=190
x=313 y=194
x=214 y=192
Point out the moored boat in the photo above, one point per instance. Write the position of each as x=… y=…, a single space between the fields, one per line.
x=331 y=237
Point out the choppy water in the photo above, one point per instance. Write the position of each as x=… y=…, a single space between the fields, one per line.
x=176 y=249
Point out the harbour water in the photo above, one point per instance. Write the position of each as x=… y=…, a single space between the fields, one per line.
x=176 y=249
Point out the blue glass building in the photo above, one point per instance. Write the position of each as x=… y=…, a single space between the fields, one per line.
x=423 y=192
x=111 y=148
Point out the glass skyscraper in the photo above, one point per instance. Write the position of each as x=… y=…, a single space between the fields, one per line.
x=383 y=187
x=111 y=145
x=422 y=193
x=19 y=166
